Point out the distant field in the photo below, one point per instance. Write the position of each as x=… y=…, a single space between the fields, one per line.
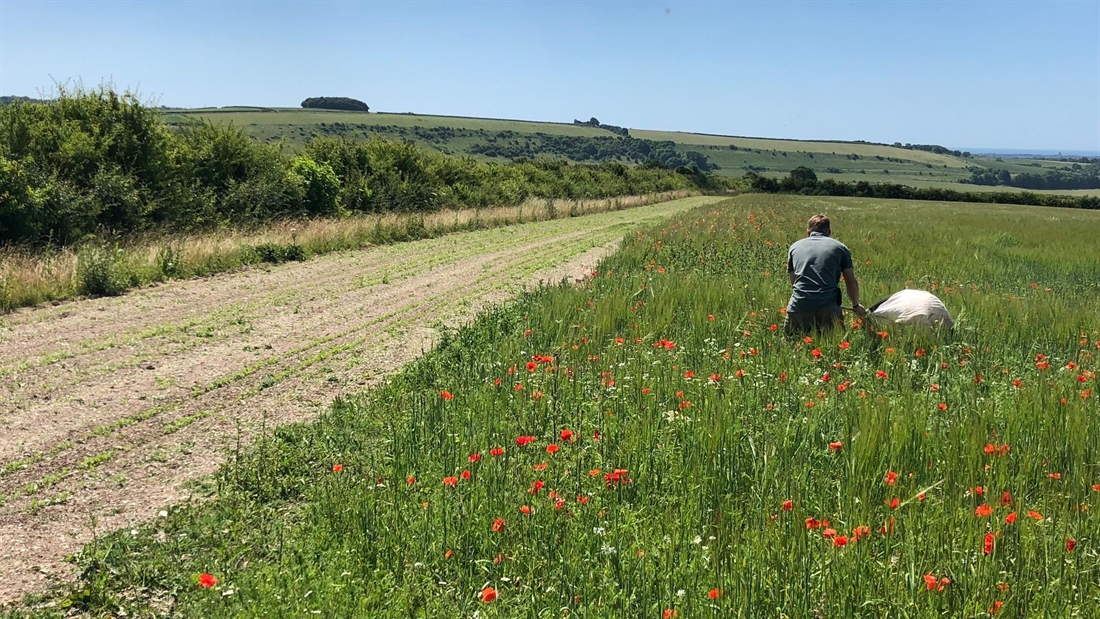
x=835 y=148
x=730 y=156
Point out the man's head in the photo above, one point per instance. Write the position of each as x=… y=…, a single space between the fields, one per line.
x=819 y=223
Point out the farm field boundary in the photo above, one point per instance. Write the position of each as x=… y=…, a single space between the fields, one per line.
x=649 y=444
x=114 y=407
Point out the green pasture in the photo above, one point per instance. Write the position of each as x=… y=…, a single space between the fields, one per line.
x=684 y=456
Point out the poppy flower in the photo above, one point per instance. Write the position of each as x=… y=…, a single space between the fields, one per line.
x=465 y=474
x=541 y=466
x=446 y=395
x=336 y=468
x=523 y=441
x=996 y=608
x=983 y=511
x=670 y=613
x=880 y=374
x=788 y=505
x=816 y=352
x=828 y=533
x=583 y=500
x=894 y=502
x=498 y=525
x=844 y=345
x=645 y=390
x=535 y=487
x=987 y=546
x=714 y=378
x=840 y=541
x=476 y=457
x=714 y=594
x=860 y=532
x=922 y=496
x=1006 y=499
x=488 y=595
x=689 y=374
x=552 y=448
x=518 y=387
x=525 y=510
x=1035 y=515
x=411 y=480
x=618 y=476
x=773 y=328
x=836 y=446
x=567 y=435
x=930 y=581
x=207 y=581
x=808 y=339
x=1096 y=487
x=941 y=406
x=891 y=478
x=1016 y=383
x=1055 y=476
x=1011 y=518
x=451 y=481
x=596 y=435
x=447 y=555
x=812 y=523
x=1071 y=544
x=496 y=452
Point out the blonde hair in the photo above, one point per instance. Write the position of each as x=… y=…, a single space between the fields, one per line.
x=819 y=223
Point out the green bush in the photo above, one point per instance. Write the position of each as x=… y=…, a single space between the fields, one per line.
x=101 y=270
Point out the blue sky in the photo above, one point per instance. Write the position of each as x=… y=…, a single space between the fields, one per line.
x=970 y=74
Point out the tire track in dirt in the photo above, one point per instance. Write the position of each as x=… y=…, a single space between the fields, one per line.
x=88 y=432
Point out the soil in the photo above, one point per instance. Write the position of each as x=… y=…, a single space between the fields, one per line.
x=111 y=408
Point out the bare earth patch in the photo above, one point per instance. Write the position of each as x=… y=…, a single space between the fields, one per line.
x=109 y=407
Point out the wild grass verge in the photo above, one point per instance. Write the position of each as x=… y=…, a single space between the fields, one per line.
x=97 y=267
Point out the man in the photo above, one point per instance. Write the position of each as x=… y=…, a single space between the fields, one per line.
x=815 y=265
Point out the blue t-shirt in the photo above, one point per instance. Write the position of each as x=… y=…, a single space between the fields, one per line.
x=817 y=262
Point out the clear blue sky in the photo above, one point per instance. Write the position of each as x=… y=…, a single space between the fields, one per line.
x=962 y=74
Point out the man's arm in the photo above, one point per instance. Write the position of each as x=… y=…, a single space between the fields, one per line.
x=792 y=276
x=852 y=286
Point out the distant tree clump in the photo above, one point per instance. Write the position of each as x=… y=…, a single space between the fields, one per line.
x=1077 y=177
x=594 y=122
x=10 y=99
x=335 y=103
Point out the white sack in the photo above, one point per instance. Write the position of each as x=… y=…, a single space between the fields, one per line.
x=914 y=307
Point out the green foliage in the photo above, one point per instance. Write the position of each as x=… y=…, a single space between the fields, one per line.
x=101 y=270
x=276 y=253
x=1076 y=177
x=94 y=162
x=803 y=180
x=335 y=103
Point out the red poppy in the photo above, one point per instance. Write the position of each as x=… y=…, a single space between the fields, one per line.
x=552 y=448
x=474 y=457
x=1011 y=518
x=987 y=547
x=336 y=468
x=922 y=496
x=828 y=533
x=1016 y=383
x=996 y=608
x=411 y=480
x=816 y=352
x=1071 y=544
x=465 y=474
x=596 y=435
x=523 y=441
x=844 y=345
x=1096 y=487
x=1035 y=515
x=583 y=500
x=525 y=509
x=518 y=387
x=983 y=511
x=535 y=487
x=812 y=523
x=689 y=374
x=714 y=378
x=1006 y=499
x=891 y=478
x=930 y=581
x=773 y=328
x=567 y=435
x=714 y=594
x=894 y=502
x=788 y=505
x=836 y=446
x=860 y=532
x=670 y=613
x=618 y=476
x=941 y=406
x=498 y=525
x=488 y=595
x=446 y=395
x=541 y=466
x=451 y=481
x=880 y=374
x=447 y=555
x=840 y=541
x=496 y=452
x=207 y=581
x=808 y=339
x=1055 y=476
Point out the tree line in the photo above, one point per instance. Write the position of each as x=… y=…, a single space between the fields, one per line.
x=1077 y=177
x=804 y=181
x=335 y=103
x=96 y=162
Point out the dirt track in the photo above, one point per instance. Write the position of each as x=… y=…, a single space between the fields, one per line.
x=108 y=407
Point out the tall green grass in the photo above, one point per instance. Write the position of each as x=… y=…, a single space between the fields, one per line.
x=696 y=448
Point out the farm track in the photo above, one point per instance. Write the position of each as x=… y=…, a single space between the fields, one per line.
x=112 y=406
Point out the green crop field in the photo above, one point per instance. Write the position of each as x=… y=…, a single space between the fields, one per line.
x=648 y=444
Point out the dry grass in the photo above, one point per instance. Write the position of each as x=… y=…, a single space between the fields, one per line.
x=31 y=277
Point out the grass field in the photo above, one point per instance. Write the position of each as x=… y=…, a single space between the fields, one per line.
x=648 y=444
x=773 y=157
